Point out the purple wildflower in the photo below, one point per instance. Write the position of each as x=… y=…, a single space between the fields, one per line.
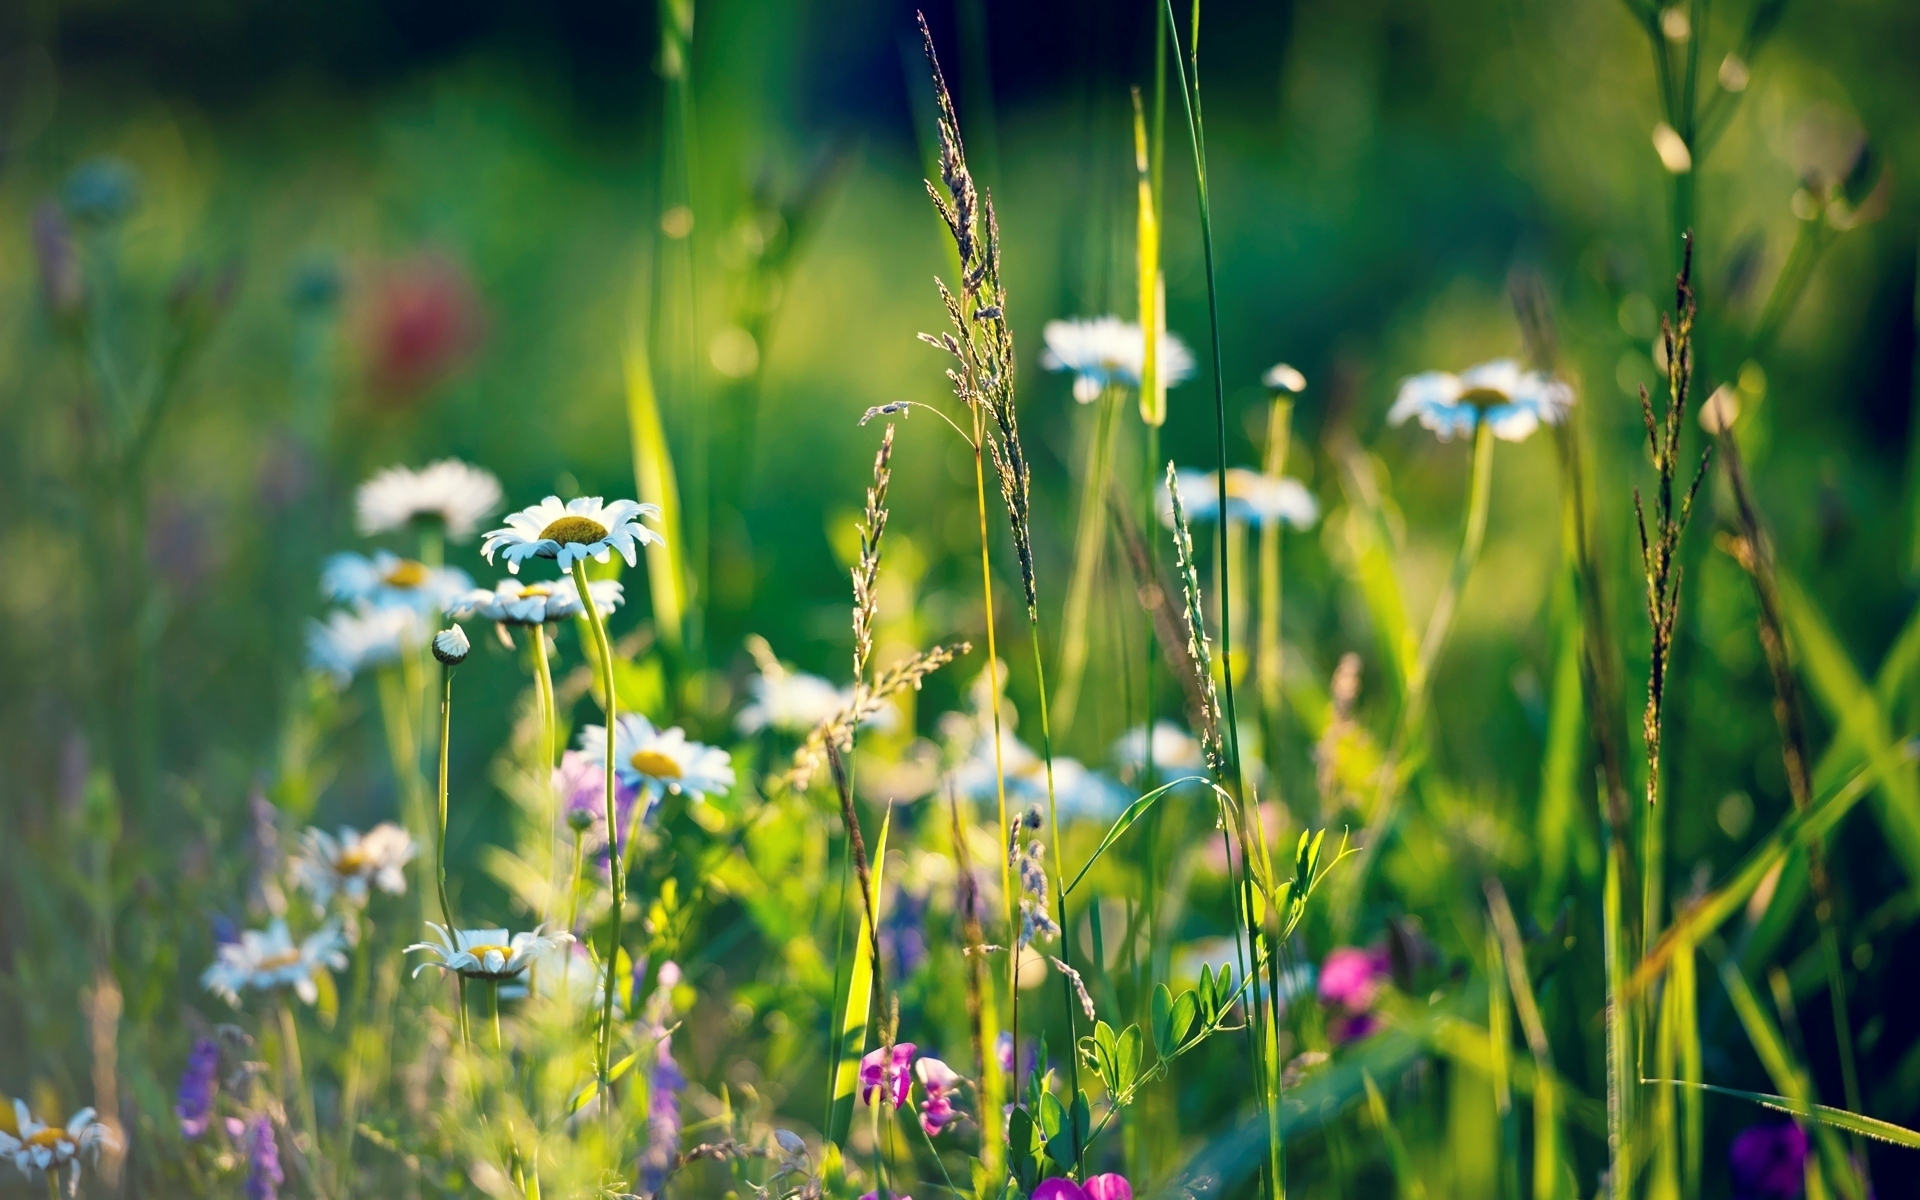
x=664 y=1085
x=903 y=934
x=942 y=1084
x=263 y=1158
x=581 y=784
x=198 y=1083
x=1108 y=1187
x=887 y=1080
x=1769 y=1161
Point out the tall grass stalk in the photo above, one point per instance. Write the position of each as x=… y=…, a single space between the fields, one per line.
x=1188 y=74
x=1279 y=429
x=1089 y=544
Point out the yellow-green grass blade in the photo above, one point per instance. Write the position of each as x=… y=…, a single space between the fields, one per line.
x=859 y=1006
x=1834 y=1118
x=654 y=478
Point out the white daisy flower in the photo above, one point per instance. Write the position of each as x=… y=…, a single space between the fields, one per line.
x=1251 y=497
x=449 y=491
x=36 y=1147
x=516 y=603
x=352 y=640
x=659 y=761
x=1512 y=402
x=570 y=978
x=1106 y=350
x=487 y=953
x=582 y=528
x=386 y=580
x=353 y=863
x=1174 y=749
x=263 y=961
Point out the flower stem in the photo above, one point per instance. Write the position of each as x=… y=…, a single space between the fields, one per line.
x=440 y=852
x=543 y=692
x=990 y=1148
x=1279 y=429
x=1059 y=865
x=615 y=865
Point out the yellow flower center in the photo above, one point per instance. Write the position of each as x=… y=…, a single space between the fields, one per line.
x=406 y=574
x=48 y=1137
x=286 y=958
x=536 y=589
x=485 y=948
x=574 y=528
x=655 y=765
x=1484 y=397
x=352 y=862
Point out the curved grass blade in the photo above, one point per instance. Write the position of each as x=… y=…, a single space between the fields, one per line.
x=1125 y=821
x=853 y=1024
x=1835 y=1118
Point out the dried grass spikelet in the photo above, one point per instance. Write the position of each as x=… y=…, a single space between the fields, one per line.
x=980 y=341
x=868 y=698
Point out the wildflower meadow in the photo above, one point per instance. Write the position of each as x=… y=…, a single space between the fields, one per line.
x=813 y=600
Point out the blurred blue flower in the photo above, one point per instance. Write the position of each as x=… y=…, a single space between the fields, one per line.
x=194 y=1102
x=101 y=191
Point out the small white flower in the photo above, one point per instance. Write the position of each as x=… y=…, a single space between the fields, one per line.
x=36 y=1147
x=572 y=978
x=353 y=863
x=451 y=646
x=385 y=580
x=1174 y=749
x=1101 y=351
x=1281 y=377
x=1251 y=497
x=487 y=953
x=263 y=961
x=581 y=528
x=659 y=760
x=516 y=603
x=353 y=640
x=1512 y=402
x=450 y=491
x=794 y=702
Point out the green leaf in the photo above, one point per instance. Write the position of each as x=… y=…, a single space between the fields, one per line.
x=1127 y=1059
x=1125 y=821
x=1186 y=1014
x=1020 y=1137
x=1164 y=1042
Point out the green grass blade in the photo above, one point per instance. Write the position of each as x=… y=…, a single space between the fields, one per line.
x=1839 y=688
x=1712 y=910
x=853 y=1024
x=1787 y=1075
x=1826 y=1115
x=1411 y=1188
x=1125 y=821
x=654 y=478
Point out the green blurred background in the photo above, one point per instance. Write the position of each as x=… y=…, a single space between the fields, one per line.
x=443 y=224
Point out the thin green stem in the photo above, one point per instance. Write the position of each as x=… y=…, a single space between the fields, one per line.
x=1059 y=865
x=440 y=843
x=543 y=693
x=296 y=1082
x=615 y=865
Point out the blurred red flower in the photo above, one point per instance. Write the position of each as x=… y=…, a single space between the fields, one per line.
x=420 y=324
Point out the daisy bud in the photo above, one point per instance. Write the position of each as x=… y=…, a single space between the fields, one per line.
x=451 y=647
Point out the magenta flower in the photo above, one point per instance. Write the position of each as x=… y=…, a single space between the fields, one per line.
x=1769 y=1161
x=942 y=1084
x=1350 y=983
x=1097 y=1187
x=890 y=1080
x=255 y=1143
